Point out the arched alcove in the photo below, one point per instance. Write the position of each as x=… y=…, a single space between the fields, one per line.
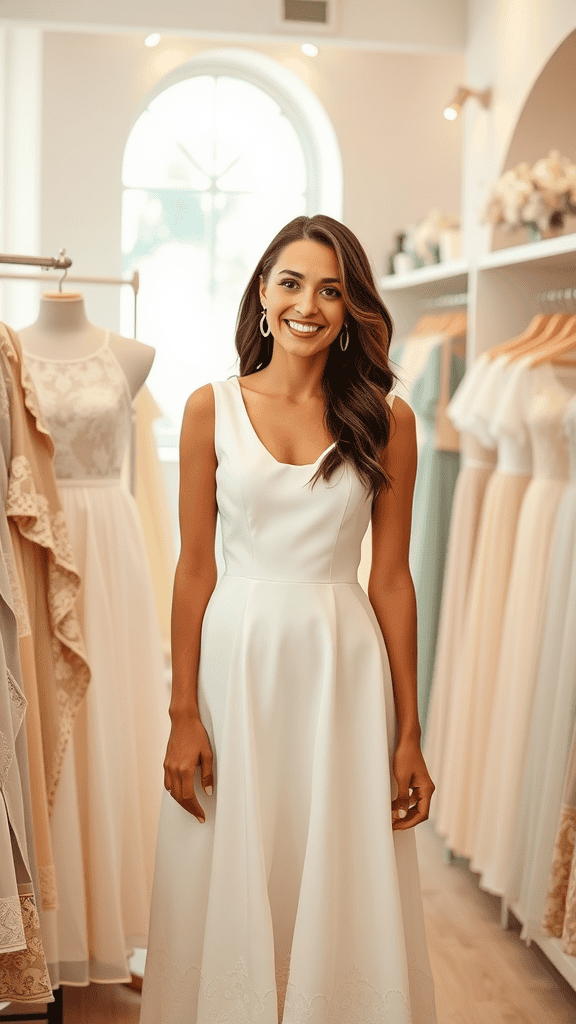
x=546 y=122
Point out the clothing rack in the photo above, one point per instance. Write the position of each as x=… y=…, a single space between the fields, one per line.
x=54 y=1013
x=53 y=263
x=60 y=262
x=557 y=298
x=442 y=301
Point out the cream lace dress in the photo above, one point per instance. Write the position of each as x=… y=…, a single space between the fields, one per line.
x=295 y=900
x=106 y=809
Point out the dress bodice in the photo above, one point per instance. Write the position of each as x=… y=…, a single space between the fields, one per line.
x=508 y=424
x=552 y=389
x=275 y=526
x=87 y=405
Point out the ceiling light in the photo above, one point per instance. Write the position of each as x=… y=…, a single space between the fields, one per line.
x=152 y=40
x=462 y=94
x=309 y=49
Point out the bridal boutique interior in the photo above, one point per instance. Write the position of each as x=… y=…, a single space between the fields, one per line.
x=149 y=153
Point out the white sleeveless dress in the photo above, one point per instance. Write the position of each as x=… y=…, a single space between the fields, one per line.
x=294 y=901
x=106 y=810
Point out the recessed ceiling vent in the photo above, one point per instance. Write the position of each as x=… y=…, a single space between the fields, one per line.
x=307 y=16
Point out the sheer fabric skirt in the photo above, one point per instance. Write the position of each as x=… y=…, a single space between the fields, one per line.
x=107 y=805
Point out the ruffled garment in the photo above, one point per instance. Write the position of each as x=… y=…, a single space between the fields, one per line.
x=23 y=970
x=44 y=584
x=38 y=525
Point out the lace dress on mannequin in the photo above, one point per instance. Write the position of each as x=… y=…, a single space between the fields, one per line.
x=106 y=808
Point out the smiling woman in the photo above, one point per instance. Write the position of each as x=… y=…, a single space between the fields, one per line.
x=286 y=885
x=316 y=285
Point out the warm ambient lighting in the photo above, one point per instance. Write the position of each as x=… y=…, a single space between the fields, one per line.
x=152 y=40
x=309 y=49
x=462 y=94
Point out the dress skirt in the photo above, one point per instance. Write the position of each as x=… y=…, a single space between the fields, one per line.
x=293 y=901
x=107 y=806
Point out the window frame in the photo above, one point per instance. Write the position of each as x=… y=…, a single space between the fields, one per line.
x=324 y=191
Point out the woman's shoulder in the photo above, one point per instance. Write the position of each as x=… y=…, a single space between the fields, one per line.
x=403 y=414
x=402 y=428
x=199 y=414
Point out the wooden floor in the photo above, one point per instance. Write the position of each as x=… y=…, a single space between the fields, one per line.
x=484 y=975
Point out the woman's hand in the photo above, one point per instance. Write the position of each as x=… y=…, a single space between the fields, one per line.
x=188 y=746
x=411 y=773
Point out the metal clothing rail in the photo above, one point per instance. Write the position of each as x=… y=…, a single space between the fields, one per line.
x=60 y=262
x=133 y=282
x=443 y=301
x=558 y=297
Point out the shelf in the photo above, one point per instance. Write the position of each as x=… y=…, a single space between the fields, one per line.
x=423 y=276
x=559 y=252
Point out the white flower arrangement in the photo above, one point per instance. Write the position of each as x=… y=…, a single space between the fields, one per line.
x=427 y=233
x=542 y=195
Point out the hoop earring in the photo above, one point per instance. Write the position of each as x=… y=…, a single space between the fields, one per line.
x=267 y=331
x=347 y=342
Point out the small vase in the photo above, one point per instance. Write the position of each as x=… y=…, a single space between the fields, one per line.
x=534 y=233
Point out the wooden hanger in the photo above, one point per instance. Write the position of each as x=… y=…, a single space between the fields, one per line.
x=457 y=325
x=548 y=340
x=555 y=350
x=539 y=331
x=430 y=323
x=534 y=327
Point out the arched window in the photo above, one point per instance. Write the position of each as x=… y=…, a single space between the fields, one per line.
x=223 y=155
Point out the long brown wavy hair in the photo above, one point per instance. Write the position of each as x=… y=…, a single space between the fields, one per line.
x=356 y=381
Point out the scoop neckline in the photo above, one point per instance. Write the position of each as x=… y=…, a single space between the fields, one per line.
x=77 y=359
x=291 y=465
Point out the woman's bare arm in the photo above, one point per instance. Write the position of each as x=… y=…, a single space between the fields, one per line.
x=391 y=593
x=194 y=582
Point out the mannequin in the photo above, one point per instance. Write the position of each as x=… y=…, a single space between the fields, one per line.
x=63 y=331
x=106 y=808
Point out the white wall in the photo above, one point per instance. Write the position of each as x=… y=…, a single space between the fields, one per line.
x=400 y=156
x=508 y=45
x=20 y=148
x=419 y=25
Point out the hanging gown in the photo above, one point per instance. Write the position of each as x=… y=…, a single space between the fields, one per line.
x=438 y=467
x=477 y=466
x=23 y=970
x=438 y=470
x=553 y=717
x=544 y=399
x=473 y=685
x=295 y=900
x=106 y=808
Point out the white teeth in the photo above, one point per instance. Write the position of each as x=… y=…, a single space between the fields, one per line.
x=303 y=328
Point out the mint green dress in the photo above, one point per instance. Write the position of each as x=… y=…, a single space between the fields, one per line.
x=432 y=507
